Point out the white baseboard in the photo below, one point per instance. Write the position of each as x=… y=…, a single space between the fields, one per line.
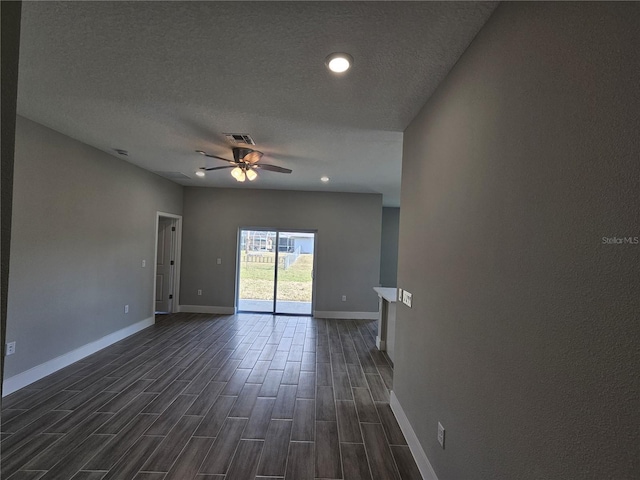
x=34 y=374
x=346 y=315
x=426 y=470
x=206 y=309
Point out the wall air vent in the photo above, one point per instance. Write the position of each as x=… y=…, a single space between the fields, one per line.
x=239 y=138
x=173 y=175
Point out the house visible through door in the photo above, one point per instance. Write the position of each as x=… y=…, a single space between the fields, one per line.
x=275 y=271
x=165 y=264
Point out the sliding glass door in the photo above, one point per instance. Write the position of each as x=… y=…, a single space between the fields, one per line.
x=256 y=271
x=294 y=285
x=275 y=271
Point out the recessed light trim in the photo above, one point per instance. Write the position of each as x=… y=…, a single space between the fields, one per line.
x=339 y=62
x=200 y=173
x=324 y=179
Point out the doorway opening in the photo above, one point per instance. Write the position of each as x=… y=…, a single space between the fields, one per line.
x=167 y=259
x=276 y=271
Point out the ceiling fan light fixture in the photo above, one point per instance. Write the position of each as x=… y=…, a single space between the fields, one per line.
x=245 y=160
x=251 y=174
x=200 y=173
x=339 y=62
x=237 y=173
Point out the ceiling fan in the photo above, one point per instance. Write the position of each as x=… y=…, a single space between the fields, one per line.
x=244 y=164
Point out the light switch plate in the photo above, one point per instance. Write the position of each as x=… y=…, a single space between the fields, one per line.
x=407 y=298
x=399 y=294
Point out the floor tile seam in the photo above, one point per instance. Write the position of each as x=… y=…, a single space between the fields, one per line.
x=198 y=471
x=395 y=463
x=59 y=441
x=35 y=391
x=286 y=463
x=150 y=454
x=49 y=397
x=261 y=452
x=21 y=443
x=38 y=417
x=358 y=414
x=181 y=450
x=335 y=406
x=99 y=451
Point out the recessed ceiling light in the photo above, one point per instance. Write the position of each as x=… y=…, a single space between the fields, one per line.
x=200 y=173
x=339 y=62
x=200 y=152
x=324 y=179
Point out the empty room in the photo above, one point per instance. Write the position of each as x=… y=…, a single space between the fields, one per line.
x=320 y=240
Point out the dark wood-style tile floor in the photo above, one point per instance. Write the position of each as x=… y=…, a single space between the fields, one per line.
x=214 y=397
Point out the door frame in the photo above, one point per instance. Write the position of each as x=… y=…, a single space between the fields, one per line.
x=275 y=276
x=176 y=248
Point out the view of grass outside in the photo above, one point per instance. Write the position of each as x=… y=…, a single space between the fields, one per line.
x=294 y=283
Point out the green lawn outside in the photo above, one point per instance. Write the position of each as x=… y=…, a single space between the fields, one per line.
x=294 y=283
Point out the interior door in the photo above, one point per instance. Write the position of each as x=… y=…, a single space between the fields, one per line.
x=164 y=267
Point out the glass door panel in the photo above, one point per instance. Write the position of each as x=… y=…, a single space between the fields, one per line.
x=257 y=270
x=294 y=292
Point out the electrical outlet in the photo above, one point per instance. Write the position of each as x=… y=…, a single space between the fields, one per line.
x=219 y=261
x=144 y=263
x=407 y=298
x=10 y=348
x=126 y=309
x=441 y=435
x=344 y=298
x=399 y=294
x=199 y=292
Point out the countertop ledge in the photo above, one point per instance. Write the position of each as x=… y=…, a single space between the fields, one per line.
x=390 y=294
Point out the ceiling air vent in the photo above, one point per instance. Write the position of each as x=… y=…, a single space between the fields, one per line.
x=239 y=138
x=174 y=175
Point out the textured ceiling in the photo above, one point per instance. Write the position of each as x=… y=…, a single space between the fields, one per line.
x=162 y=79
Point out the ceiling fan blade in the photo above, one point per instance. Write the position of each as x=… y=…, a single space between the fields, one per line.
x=219 y=158
x=217 y=168
x=252 y=157
x=272 y=168
x=202 y=152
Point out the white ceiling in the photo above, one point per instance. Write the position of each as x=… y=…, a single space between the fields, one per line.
x=162 y=79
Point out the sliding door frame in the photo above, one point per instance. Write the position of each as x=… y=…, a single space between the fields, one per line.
x=275 y=275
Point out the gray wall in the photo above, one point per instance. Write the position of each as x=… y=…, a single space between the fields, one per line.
x=10 y=18
x=83 y=221
x=389 y=246
x=348 y=242
x=523 y=339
